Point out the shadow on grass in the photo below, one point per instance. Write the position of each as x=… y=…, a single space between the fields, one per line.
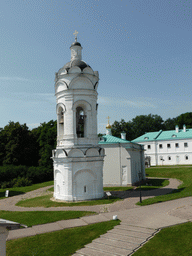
x=169 y=195
x=11 y=193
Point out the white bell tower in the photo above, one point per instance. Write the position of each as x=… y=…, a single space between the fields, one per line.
x=77 y=159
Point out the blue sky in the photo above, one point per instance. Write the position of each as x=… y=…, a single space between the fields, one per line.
x=141 y=48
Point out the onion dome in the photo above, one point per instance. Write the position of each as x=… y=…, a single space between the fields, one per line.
x=108 y=126
x=76 y=63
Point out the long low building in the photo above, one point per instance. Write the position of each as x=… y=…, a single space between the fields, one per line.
x=167 y=147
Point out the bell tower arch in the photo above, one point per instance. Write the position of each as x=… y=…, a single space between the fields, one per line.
x=76 y=95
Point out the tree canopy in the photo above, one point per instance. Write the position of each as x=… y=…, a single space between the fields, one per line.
x=149 y=123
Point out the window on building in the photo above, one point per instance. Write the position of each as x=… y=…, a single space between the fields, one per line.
x=161 y=158
x=168 y=145
x=85 y=189
x=185 y=144
x=174 y=135
x=169 y=158
x=80 y=122
x=146 y=138
x=177 y=145
x=186 y=158
x=160 y=146
x=149 y=146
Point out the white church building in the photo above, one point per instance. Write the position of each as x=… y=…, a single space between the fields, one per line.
x=77 y=159
x=124 y=162
x=172 y=147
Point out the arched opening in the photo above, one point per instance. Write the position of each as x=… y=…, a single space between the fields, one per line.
x=80 y=122
x=60 y=122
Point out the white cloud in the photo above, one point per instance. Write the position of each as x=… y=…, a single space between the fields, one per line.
x=122 y=102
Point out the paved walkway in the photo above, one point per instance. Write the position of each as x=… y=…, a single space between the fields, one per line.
x=130 y=199
x=137 y=226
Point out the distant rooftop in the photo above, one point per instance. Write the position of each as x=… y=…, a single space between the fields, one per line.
x=165 y=135
x=109 y=139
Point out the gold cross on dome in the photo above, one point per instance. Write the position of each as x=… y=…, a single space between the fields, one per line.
x=75 y=34
x=108 y=119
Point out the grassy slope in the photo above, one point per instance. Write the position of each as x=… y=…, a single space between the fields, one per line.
x=22 y=190
x=182 y=173
x=45 y=201
x=58 y=243
x=41 y=217
x=172 y=241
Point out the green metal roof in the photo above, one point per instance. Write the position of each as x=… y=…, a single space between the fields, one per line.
x=109 y=139
x=165 y=135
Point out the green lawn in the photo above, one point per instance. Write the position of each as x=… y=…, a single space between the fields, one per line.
x=172 y=241
x=117 y=188
x=45 y=201
x=22 y=190
x=64 y=242
x=41 y=217
x=182 y=173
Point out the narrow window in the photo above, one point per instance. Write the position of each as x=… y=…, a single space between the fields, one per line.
x=60 y=123
x=85 y=189
x=168 y=145
x=80 y=122
x=169 y=158
x=177 y=145
x=185 y=144
x=149 y=146
x=160 y=146
x=186 y=157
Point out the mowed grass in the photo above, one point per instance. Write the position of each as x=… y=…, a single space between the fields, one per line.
x=22 y=190
x=44 y=201
x=117 y=188
x=172 y=241
x=42 y=217
x=184 y=174
x=65 y=242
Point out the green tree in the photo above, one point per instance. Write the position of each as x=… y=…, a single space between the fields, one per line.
x=186 y=119
x=46 y=135
x=170 y=123
x=147 y=123
x=17 y=144
x=122 y=126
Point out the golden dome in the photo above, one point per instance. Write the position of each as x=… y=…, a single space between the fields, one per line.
x=108 y=126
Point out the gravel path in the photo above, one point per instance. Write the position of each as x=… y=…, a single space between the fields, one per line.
x=130 y=199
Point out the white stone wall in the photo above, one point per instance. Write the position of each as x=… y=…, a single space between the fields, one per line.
x=111 y=168
x=77 y=177
x=122 y=164
x=177 y=153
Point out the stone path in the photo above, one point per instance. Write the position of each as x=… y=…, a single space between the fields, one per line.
x=124 y=239
x=130 y=199
x=138 y=224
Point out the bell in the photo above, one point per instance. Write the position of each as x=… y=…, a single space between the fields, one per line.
x=61 y=120
x=81 y=119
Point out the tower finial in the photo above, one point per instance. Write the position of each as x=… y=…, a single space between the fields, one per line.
x=75 y=34
x=108 y=119
x=108 y=125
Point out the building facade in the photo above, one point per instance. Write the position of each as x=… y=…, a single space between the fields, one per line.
x=124 y=162
x=77 y=159
x=172 y=147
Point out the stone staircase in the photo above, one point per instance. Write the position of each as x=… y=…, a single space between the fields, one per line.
x=124 y=240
